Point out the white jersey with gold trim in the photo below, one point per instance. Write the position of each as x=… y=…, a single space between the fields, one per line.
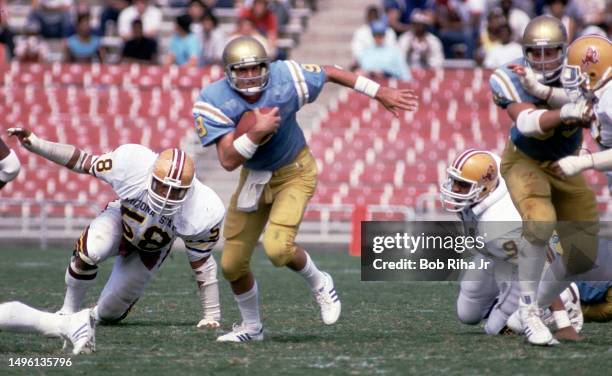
x=127 y=169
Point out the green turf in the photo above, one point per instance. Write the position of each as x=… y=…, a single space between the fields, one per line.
x=385 y=328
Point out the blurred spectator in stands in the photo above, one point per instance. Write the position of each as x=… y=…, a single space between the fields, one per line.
x=7 y=43
x=150 y=15
x=591 y=12
x=263 y=20
x=140 y=48
x=110 y=12
x=219 y=3
x=213 y=40
x=184 y=47
x=382 y=60
x=507 y=51
x=420 y=47
x=196 y=10
x=33 y=48
x=516 y=18
x=398 y=12
x=84 y=46
x=52 y=18
x=245 y=26
x=363 y=38
x=455 y=29
x=557 y=9
x=489 y=36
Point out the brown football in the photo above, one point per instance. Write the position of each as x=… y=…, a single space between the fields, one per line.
x=247 y=121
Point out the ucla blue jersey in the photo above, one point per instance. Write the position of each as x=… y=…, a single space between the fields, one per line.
x=219 y=108
x=593 y=292
x=563 y=141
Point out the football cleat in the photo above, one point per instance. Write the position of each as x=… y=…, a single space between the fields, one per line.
x=242 y=333
x=329 y=301
x=208 y=324
x=526 y=320
x=81 y=332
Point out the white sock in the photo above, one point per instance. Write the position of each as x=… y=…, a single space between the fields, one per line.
x=531 y=260
x=76 y=289
x=311 y=274
x=553 y=283
x=248 y=305
x=18 y=317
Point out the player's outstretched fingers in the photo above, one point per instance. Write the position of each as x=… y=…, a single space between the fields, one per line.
x=208 y=324
x=518 y=69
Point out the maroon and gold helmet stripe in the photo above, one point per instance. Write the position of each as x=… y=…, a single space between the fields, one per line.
x=178 y=164
x=463 y=157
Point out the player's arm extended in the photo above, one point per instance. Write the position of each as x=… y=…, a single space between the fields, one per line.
x=533 y=122
x=63 y=154
x=392 y=99
x=572 y=165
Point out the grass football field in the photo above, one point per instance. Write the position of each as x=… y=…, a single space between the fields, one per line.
x=386 y=328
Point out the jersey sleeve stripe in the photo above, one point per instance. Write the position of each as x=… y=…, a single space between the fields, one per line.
x=504 y=82
x=302 y=80
x=298 y=81
x=208 y=110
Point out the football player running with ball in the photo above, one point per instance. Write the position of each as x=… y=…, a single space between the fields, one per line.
x=159 y=200
x=545 y=130
x=279 y=173
x=478 y=194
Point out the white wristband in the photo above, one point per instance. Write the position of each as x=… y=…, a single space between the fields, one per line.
x=366 y=86
x=561 y=319
x=245 y=147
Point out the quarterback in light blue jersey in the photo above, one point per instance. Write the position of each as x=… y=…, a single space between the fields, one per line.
x=279 y=173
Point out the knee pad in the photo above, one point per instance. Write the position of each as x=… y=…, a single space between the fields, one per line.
x=279 y=244
x=233 y=264
x=469 y=311
x=110 y=316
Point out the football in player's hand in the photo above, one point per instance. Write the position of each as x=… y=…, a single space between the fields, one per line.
x=247 y=121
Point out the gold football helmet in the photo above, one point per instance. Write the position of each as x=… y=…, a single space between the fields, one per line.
x=472 y=176
x=171 y=179
x=588 y=66
x=544 y=44
x=244 y=52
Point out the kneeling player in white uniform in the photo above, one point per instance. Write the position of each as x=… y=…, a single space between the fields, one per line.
x=9 y=164
x=475 y=190
x=159 y=200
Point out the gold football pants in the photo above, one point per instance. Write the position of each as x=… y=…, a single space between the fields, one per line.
x=547 y=202
x=282 y=204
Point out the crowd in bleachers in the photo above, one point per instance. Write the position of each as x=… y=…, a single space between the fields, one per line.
x=429 y=33
x=148 y=31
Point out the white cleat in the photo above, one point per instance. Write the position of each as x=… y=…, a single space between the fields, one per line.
x=241 y=333
x=329 y=301
x=208 y=324
x=81 y=332
x=528 y=322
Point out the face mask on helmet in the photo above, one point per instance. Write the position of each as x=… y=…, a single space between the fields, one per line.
x=575 y=83
x=470 y=179
x=458 y=193
x=245 y=79
x=170 y=182
x=546 y=61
